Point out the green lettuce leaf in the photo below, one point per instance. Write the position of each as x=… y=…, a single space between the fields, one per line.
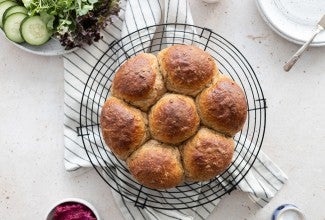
x=74 y=22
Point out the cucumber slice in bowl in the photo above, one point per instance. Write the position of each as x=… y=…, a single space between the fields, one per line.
x=13 y=9
x=12 y=25
x=34 y=31
x=3 y=7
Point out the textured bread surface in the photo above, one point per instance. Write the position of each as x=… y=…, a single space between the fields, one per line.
x=156 y=165
x=206 y=155
x=186 y=69
x=139 y=81
x=187 y=110
x=223 y=106
x=173 y=119
x=123 y=127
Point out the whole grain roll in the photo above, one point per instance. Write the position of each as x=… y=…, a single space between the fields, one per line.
x=173 y=119
x=156 y=165
x=138 y=81
x=186 y=69
x=206 y=155
x=223 y=106
x=124 y=128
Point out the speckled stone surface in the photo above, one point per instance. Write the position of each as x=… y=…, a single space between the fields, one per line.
x=32 y=176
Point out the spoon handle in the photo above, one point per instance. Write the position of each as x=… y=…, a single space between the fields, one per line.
x=289 y=64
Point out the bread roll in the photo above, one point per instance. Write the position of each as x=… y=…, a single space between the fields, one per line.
x=139 y=81
x=156 y=165
x=124 y=128
x=186 y=69
x=206 y=155
x=173 y=119
x=223 y=106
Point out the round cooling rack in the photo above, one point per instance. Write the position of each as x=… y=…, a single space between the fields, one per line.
x=152 y=39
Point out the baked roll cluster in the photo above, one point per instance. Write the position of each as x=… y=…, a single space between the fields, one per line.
x=172 y=117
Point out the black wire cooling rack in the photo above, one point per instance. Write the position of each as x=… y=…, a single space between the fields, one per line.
x=152 y=39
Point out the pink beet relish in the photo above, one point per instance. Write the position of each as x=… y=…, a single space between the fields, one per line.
x=73 y=211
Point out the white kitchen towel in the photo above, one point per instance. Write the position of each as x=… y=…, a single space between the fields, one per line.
x=262 y=182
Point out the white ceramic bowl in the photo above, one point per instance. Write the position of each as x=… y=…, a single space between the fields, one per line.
x=74 y=200
x=288 y=211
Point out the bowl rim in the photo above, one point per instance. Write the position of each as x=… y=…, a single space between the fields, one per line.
x=49 y=214
x=282 y=209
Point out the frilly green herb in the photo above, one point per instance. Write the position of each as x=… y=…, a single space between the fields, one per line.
x=74 y=22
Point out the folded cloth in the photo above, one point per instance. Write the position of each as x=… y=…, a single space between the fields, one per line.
x=262 y=181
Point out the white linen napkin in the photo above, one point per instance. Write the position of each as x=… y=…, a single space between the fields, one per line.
x=261 y=183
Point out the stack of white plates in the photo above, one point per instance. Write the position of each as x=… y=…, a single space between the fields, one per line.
x=295 y=20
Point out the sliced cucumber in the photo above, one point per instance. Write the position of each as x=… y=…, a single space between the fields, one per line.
x=11 y=27
x=3 y=7
x=13 y=9
x=34 y=31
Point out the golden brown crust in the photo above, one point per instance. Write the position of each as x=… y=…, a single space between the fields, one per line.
x=156 y=165
x=173 y=119
x=123 y=127
x=206 y=155
x=187 y=69
x=139 y=81
x=223 y=106
x=180 y=149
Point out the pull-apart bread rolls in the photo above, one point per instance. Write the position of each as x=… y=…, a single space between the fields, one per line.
x=172 y=118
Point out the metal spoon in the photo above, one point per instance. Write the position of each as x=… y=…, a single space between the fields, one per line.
x=296 y=56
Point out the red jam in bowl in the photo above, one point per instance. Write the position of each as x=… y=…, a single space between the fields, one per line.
x=73 y=211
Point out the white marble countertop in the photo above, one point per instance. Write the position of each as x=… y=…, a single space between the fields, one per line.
x=32 y=176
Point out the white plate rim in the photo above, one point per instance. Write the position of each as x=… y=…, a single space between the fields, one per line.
x=58 y=52
x=280 y=32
